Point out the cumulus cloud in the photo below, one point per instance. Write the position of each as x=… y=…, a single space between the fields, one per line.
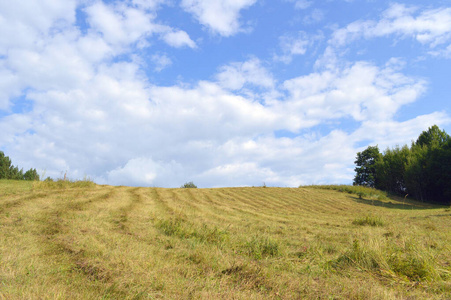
x=430 y=27
x=178 y=39
x=361 y=91
x=220 y=16
x=273 y=160
x=144 y=171
x=161 y=61
x=235 y=75
x=295 y=44
x=10 y=87
x=389 y=133
x=22 y=25
x=121 y=25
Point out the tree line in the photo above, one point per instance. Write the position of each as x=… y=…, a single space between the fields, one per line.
x=422 y=170
x=9 y=171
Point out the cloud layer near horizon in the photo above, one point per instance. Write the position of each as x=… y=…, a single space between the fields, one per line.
x=76 y=95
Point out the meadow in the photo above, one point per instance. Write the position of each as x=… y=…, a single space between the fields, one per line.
x=78 y=240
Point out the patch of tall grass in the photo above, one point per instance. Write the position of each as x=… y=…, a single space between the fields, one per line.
x=181 y=228
x=361 y=191
x=369 y=220
x=262 y=247
x=63 y=184
x=407 y=261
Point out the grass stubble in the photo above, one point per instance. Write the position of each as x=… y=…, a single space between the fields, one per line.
x=85 y=241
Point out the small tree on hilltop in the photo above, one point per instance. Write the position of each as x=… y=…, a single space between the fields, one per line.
x=189 y=185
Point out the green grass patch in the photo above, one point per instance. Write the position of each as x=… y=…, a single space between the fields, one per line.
x=395 y=259
x=183 y=229
x=262 y=247
x=360 y=191
x=369 y=220
x=11 y=187
x=63 y=184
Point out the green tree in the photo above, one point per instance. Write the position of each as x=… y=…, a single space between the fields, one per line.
x=433 y=137
x=390 y=170
x=422 y=171
x=5 y=165
x=428 y=172
x=415 y=175
x=8 y=171
x=366 y=166
x=31 y=174
x=15 y=173
x=439 y=188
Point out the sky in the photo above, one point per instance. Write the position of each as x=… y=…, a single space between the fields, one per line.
x=220 y=93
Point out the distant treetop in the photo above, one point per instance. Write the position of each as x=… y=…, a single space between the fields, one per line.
x=9 y=171
x=189 y=185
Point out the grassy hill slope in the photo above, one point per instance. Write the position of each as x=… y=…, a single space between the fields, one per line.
x=76 y=241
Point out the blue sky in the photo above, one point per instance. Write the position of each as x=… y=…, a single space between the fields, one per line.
x=222 y=93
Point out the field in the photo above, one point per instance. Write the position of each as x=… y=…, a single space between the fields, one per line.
x=85 y=241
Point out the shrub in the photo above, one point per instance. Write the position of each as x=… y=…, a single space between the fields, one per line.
x=189 y=185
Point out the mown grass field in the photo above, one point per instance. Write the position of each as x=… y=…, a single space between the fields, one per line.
x=76 y=241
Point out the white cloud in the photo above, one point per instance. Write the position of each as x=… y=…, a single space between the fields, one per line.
x=236 y=75
x=361 y=91
x=315 y=16
x=390 y=133
x=122 y=26
x=430 y=27
x=250 y=173
x=22 y=25
x=119 y=25
x=161 y=61
x=164 y=136
x=207 y=110
x=144 y=171
x=220 y=16
x=295 y=44
x=149 y=4
x=283 y=161
x=178 y=39
x=301 y=4
x=10 y=87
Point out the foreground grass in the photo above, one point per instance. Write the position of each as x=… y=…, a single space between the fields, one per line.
x=83 y=241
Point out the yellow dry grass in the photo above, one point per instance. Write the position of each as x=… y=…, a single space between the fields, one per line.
x=103 y=242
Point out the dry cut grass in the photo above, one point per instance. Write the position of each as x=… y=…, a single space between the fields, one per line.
x=103 y=242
